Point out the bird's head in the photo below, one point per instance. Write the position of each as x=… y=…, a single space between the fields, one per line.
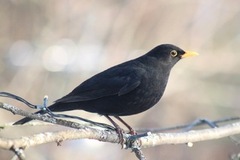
x=169 y=54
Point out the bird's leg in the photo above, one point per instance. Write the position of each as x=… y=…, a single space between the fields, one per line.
x=118 y=130
x=132 y=131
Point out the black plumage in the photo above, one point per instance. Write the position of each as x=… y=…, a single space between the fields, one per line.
x=125 y=89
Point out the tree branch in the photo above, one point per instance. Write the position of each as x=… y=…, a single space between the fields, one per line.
x=191 y=136
x=41 y=138
x=109 y=136
x=89 y=132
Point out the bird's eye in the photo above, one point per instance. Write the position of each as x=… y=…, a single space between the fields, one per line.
x=173 y=53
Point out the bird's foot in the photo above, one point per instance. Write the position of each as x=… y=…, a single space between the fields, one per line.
x=132 y=132
x=120 y=133
x=134 y=139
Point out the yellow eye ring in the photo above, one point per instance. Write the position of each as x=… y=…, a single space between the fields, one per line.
x=173 y=53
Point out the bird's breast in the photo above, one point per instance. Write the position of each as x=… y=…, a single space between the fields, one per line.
x=144 y=97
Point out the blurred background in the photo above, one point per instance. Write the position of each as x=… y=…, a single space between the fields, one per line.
x=49 y=47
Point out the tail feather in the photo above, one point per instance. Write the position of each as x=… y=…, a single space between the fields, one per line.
x=26 y=119
x=56 y=107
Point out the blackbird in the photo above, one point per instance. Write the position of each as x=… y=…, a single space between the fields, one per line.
x=125 y=89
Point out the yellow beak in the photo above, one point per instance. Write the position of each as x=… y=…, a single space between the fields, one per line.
x=189 y=54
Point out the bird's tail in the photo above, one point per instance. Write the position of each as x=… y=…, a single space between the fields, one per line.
x=56 y=107
x=27 y=119
x=53 y=107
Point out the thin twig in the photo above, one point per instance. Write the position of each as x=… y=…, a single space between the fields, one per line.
x=139 y=154
x=18 y=153
x=157 y=130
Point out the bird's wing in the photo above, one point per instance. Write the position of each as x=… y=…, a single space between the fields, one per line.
x=115 y=81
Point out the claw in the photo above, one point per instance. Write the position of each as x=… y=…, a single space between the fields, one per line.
x=120 y=136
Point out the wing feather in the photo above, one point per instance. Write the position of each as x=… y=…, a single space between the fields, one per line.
x=114 y=81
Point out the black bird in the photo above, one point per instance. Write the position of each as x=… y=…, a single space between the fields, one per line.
x=125 y=89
